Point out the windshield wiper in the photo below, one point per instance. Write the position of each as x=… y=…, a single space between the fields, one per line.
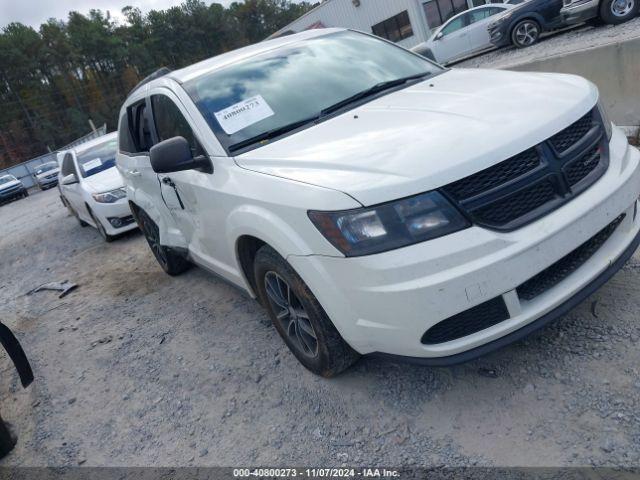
x=377 y=88
x=271 y=134
x=277 y=132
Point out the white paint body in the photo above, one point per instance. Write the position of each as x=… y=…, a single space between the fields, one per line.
x=80 y=195
x=407 y=142
x=448 y=46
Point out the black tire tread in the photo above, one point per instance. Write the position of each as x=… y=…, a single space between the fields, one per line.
x=176 y=263
x=335 y=354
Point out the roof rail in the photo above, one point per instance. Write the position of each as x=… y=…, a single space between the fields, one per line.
x=161 y=72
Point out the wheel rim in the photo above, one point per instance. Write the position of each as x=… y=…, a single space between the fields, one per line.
x=527 y=33
x=291 y=315
x=153 y=238
x=622 y=8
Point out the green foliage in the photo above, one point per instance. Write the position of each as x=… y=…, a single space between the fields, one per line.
x=54 y=80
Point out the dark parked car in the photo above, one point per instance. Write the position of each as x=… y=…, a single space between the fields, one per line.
x=522 y=25
x=11 y=188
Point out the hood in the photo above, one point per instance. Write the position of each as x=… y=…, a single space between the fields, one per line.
x=104 y=181
x=13 y=183
x=54 y=171
x=427 y=135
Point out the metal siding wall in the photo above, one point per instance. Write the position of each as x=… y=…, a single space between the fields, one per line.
x=24 y=171
x=342 y=13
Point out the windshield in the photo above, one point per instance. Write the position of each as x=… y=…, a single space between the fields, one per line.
x=46 y=167
x=7 y=179
x=297 y=82
x=97 y=159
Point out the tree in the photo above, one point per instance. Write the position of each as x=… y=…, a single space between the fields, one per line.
x=53 y=80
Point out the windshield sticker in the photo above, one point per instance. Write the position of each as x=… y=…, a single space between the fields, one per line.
x=244 y=114
x=91 y=164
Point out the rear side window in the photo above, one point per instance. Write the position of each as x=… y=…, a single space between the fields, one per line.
x=134 y=135
x=125 y=139
x=67 y=165
x=170 y=122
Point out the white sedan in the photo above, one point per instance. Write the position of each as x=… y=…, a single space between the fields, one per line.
x=462 y=35
x=93 y=190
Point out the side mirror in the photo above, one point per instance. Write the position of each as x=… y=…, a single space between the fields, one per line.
x=69 y=179
x=174 y=155
x=439 y=36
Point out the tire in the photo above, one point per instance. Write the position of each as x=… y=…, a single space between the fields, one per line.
x=101 y=230
x=73 y=212
x=25 y=194
x=525 y=33
x=615 y=12
x=306 y=328
x=171 y=262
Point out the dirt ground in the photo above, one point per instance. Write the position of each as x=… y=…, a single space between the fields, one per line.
x=136 y=368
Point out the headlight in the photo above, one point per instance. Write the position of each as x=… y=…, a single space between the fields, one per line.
x=608 y=126
x=111 y=196
x=365 y=231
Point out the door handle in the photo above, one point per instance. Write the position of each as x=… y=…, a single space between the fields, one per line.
x=134 y=173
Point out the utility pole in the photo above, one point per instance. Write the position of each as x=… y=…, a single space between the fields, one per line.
x=93 y=127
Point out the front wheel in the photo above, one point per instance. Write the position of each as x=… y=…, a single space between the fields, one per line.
x=525 y=33
x=615 y=12
x=103 y=233
x=171 y=262
x=299 y=318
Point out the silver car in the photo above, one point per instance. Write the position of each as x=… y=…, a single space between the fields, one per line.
x=47 y=175
x=462 y=35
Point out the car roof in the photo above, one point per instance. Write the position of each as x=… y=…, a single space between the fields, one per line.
x=96 y=141
x=229 y=58
x=506 y=6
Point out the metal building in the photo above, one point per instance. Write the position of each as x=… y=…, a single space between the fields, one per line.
x=407 y=22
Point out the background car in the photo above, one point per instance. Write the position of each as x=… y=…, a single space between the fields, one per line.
x=523 y=25
x=47 y=175
x=462 y=35
x=93 y=190
x=11 y=188
x=609 y=11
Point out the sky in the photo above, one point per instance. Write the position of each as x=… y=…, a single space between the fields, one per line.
x=35 y=12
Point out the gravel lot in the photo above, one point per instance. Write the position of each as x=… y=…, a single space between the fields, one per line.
x=577 y=38
x=136 y=368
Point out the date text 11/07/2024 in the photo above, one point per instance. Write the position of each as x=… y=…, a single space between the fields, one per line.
x=316 y=472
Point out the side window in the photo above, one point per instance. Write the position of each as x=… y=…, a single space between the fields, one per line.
x=137 y=135
x=67 y=165
x=125 y=139
x=478 y=15
x=495 y=10
x=170 y=122
x=455 y=25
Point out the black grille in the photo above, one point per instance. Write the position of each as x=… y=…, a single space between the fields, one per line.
x=583 y=166
x=494 y=176
x=468 y=322
x=567 y=265
x=525 y=187
x=515 y=206
x=572 y=134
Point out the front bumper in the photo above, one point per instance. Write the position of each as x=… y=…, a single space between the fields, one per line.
x=6 y=196
x=385 y=303
x=115 y=217
x=579 y=12
x=45 y=183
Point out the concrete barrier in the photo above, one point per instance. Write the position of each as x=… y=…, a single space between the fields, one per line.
x=615 y=68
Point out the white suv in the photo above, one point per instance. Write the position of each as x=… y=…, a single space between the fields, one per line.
x=376 y=203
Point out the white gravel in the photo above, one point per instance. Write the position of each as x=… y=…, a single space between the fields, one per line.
x=579 y=38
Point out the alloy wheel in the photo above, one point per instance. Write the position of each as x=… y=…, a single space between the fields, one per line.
x=527 y=33
x=621 y=8
x=291 y=315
